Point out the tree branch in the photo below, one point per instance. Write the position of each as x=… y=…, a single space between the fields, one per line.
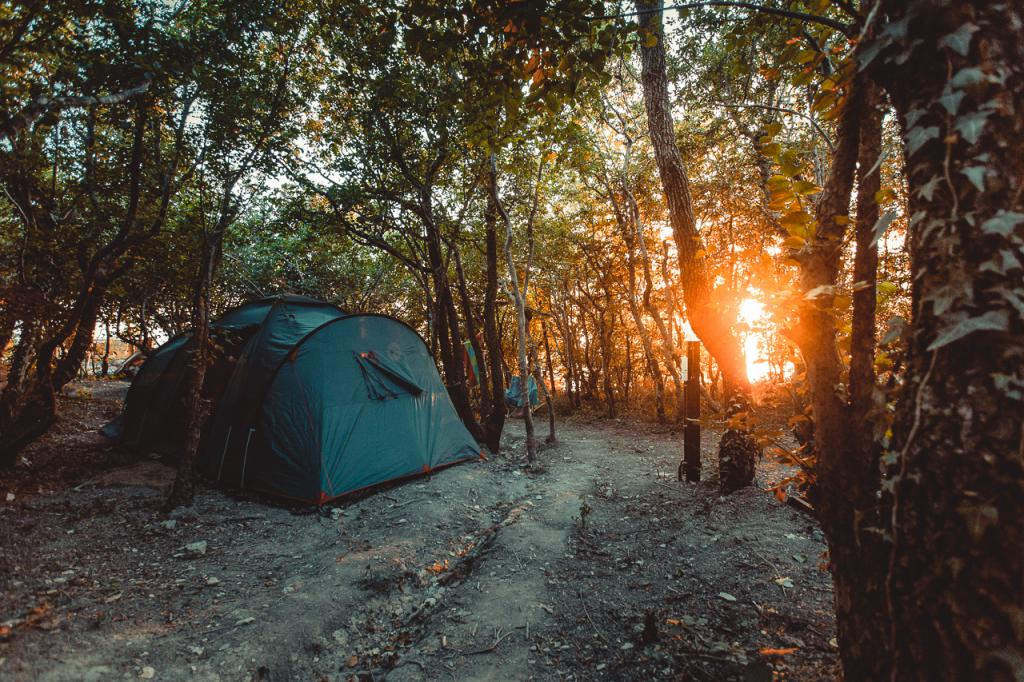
x=845 y=29
x=13 y=124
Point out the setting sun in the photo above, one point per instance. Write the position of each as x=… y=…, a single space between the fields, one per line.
x=752 y=313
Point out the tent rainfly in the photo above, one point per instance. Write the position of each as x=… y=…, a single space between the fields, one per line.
x=309 y=403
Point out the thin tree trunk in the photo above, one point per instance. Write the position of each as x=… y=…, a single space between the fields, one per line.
x=494 y=422
x=471 y=332
x=629 y=229
x=547 y=357
x=538 y=376
x=518 y=294
x=446 y=321
x=105 y=362
x=196 y=407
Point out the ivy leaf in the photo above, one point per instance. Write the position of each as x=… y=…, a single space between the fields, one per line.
x=950 y=100
x=917 y=136
x=1002 y=223
x=928 y=189
x=993 y=320
x=971 y=125
x=959 y=40
x=913 y=116
x=967 y=76
x=881 y=225
x=976 y=174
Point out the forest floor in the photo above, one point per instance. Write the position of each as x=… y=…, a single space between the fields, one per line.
x=600 y=566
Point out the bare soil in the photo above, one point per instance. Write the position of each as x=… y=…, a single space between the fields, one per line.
x=599 y=566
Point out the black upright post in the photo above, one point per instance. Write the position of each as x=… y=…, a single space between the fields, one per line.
x=691 y=430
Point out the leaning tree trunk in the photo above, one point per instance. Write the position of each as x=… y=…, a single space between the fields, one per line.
x=707 y=320
x=955 y=72
x=736 y=464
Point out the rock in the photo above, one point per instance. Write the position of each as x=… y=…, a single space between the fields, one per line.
x=196 y=548
x=148 y=673
x=184 y=514
x=212 y=580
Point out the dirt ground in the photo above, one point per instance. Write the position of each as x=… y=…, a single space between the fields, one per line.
x=601 y=566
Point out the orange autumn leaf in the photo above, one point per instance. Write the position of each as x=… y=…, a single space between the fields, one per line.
x=768 y=651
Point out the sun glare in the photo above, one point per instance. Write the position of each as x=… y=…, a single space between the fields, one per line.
x=753 y=314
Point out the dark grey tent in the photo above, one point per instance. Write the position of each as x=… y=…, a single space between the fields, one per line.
x=309 y=403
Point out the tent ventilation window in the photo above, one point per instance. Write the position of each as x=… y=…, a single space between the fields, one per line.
x=386 y=378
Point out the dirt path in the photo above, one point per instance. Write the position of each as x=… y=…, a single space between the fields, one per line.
x=482 y=572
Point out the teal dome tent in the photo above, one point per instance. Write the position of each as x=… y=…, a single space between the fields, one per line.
x=308 y=403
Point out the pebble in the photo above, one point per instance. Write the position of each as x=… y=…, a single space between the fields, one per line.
x=196 y=548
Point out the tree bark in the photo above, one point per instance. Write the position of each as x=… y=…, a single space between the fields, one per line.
x=197 y=408
x=955 y=589
x=707 y=319
x=518 y=294
x=494 y=422
x=629 y=229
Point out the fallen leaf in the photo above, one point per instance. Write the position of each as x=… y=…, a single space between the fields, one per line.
x=726 y=596
x=768 y=651
x=784 y=582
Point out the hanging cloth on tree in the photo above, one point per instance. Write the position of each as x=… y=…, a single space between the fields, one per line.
x=513 y=397
x=469 y=357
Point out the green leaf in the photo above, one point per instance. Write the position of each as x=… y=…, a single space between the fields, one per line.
x=1002 y=223
x=959 y=40
x=917 y=136
x=966 y=77
x=993 y=320
x=976 y=174
x=950 y=100
x=971 y=125
x=804 y=187
x=796 y=219
x=928 y=189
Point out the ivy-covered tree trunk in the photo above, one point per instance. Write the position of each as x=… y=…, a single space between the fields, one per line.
x=955 y=72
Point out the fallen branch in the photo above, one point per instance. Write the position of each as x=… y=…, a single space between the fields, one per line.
x=498 y=637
